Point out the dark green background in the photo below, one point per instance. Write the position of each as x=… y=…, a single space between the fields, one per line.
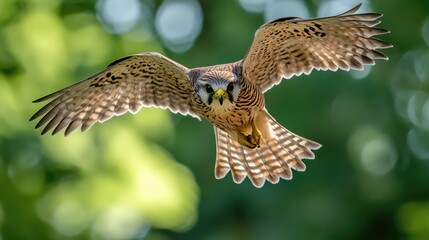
x=151 y=176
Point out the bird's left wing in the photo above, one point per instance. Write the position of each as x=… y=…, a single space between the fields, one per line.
x=147 y=79
x=292 y=46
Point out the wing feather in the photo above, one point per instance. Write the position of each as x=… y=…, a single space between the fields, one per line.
x=127 y=84
x=291 y=46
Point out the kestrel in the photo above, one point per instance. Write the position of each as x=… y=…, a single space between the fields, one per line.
x=249 y=141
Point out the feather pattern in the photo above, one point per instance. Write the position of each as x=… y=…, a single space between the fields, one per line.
x=291 y=46
x=272 y=161
x=147 y=79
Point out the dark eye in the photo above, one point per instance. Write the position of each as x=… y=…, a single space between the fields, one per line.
x=230 y=87
x=209 y=89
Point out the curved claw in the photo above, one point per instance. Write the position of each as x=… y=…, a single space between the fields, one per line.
x=246 y=141
x=256 y=137
x=251 y=141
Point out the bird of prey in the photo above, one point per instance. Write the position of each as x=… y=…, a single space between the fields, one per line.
x=249 y=141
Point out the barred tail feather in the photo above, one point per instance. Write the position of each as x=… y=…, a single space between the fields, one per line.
x=275 y=158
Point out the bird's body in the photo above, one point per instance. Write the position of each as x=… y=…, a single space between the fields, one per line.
x=249 y=141
x=236 y=114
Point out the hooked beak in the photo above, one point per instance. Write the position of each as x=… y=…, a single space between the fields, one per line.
x=219 y=94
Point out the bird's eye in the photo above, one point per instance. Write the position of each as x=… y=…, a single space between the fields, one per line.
x=209 y=89
x=230 y=87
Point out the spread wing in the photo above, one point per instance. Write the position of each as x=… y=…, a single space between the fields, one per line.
x=147 y=79
x=292 y=46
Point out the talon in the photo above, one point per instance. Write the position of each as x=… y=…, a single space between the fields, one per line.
x=255 y=140
x=252 y=141
x=259 y=139
x=246 y=141
x=252 y=147
x=249 y=142
x=256 y=135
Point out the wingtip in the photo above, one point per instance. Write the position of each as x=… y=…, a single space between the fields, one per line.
x=44 y=98
x=353 y=10
x=358 y=6
x=314 y=145
x=45 y=130
x=389 y=45
x=32 y=118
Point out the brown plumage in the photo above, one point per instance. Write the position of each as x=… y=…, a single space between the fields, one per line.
x=249 y=141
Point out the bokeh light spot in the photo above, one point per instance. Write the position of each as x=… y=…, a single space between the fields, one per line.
x=418 y=142
x=372 y=150
x=358 y=75
x=179 y=23
x=119 y=222
x=425 y=30
x=254 y=6
x=26 y=173
x=418 y=109
x=414 y=219
x=37 y=41
x=420 y=66
x=378 y=157
x=69 y=218
x=409 y=85
x=119 y=16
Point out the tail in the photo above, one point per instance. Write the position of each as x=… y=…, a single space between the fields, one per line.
x=278 y=153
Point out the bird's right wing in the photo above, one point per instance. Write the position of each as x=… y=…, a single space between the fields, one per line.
x=147 y=79
x=291 y=46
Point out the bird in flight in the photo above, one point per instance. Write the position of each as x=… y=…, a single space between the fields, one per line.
x=249 y=141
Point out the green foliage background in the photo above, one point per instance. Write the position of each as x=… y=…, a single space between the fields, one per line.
x=150 y=175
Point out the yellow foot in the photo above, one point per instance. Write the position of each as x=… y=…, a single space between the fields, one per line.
x=251 y=141
x=246 y=141
x=255 y=140
x=256 y=137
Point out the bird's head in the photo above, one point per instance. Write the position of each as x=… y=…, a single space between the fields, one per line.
x=218 y=88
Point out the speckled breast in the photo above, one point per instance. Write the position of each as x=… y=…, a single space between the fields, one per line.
x=238 y=114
